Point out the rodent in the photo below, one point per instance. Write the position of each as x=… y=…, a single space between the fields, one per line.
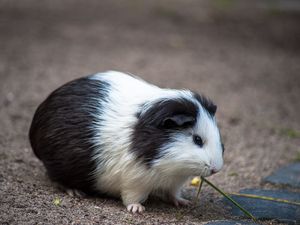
x=115 y=134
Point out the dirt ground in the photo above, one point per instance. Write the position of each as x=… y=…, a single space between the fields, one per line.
x=244 y=57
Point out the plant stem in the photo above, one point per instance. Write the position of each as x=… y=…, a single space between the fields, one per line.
x=265 y=198
x=229 y=198
x=200 y=186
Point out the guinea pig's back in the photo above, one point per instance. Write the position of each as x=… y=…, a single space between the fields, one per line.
x=63 y=131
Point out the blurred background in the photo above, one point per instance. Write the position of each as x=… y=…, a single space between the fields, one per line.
x=244 y=55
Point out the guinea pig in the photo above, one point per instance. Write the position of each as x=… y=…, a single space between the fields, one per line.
x=112 y=133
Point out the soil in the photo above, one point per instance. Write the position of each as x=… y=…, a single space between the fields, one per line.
x=244 y=56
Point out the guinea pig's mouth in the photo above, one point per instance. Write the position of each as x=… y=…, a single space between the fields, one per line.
x=207 y=171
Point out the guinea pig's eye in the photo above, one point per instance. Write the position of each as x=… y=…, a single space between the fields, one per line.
x=198 y=140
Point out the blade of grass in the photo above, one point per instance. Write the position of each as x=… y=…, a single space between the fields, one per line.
x=265 y=198
x=230 y=199
x=200 y=186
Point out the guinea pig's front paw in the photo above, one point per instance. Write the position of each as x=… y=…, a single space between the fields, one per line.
x=178 y=201
x=135 y=208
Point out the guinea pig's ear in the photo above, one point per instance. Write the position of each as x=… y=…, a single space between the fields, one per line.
x=168 y=113
x=180 y=120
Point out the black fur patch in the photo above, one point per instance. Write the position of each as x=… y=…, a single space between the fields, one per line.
x=206 y=103
x=151 y=132
x=61 y=132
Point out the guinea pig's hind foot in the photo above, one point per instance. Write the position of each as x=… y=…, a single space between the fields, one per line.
x=75 y=193
x=135 y=208
x=71 y=192
x=178 y=201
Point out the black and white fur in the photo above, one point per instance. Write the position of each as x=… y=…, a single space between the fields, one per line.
x=115 y=134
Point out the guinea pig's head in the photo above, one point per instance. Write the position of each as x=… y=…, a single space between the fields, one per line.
x=179 y=136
